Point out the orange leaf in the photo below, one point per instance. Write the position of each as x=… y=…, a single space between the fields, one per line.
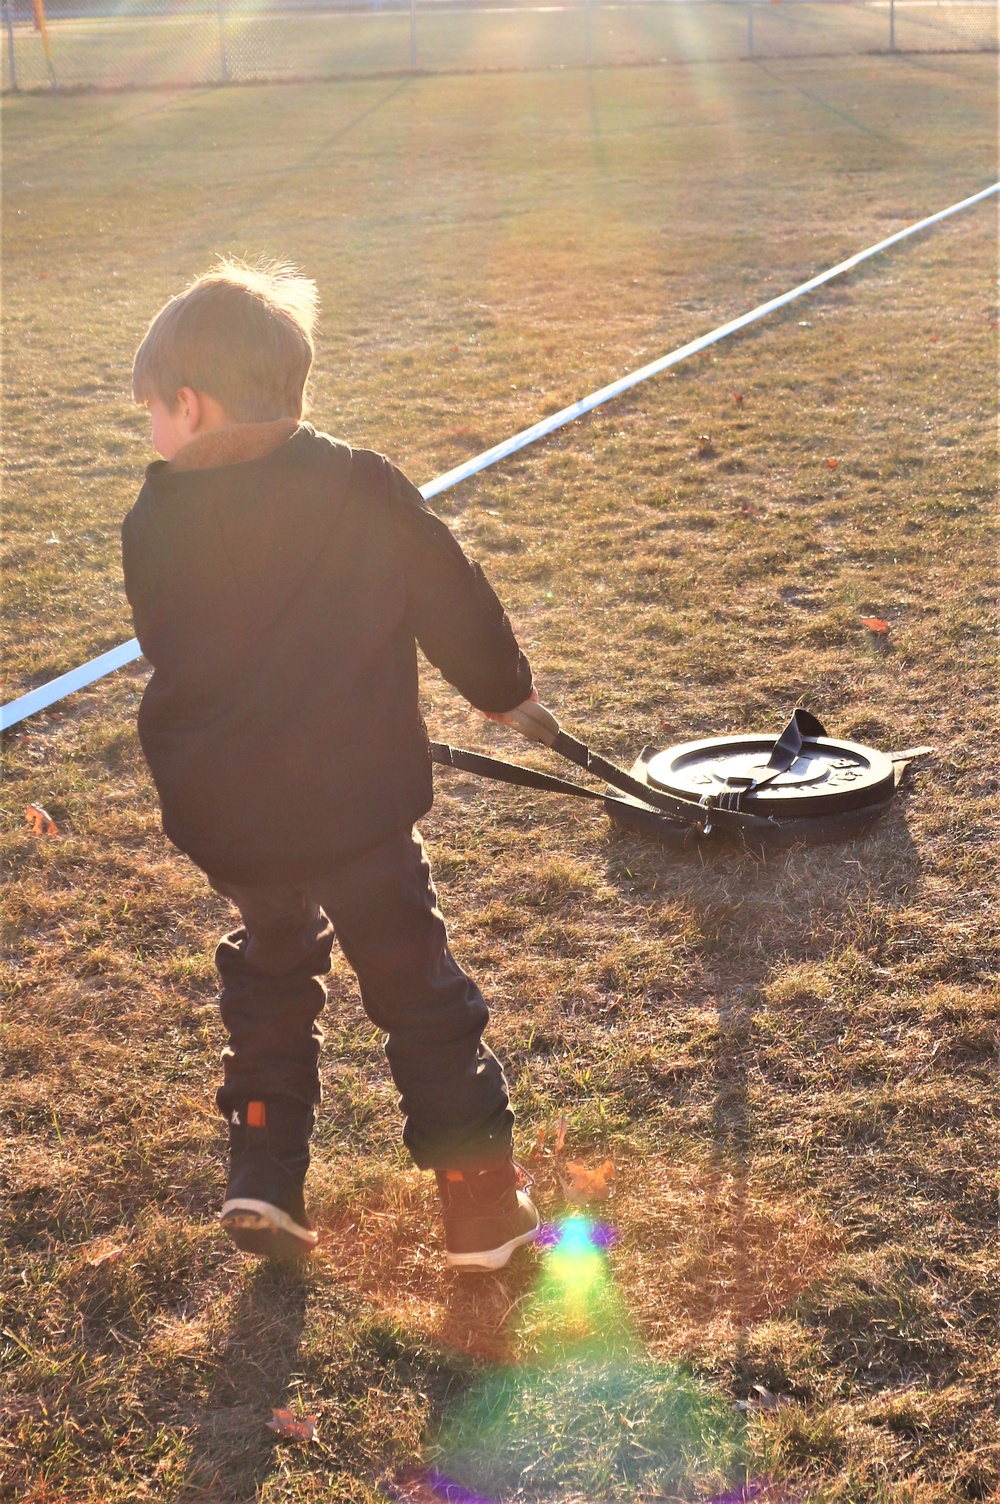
x=583 y=1185
x=562 y=1127
x=539 y=1145
x=292 y=1427
x=832 y=464
x=875 y=624
x=41 y=822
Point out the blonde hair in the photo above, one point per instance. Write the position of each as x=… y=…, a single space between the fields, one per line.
x=241 y=334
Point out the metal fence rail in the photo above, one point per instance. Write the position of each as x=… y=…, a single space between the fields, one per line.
x=80 y=44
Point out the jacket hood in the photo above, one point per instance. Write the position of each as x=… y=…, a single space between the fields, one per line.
x=246 y=510
x=232 y=445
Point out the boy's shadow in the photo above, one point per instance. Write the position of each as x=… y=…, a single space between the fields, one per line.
x=254 y=1368
x=481 y=1314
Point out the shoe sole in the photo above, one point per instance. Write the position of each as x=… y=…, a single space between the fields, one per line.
x=260 y=1228
x=488 y=1260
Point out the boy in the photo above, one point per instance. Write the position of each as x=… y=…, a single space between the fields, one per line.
x=280 y=582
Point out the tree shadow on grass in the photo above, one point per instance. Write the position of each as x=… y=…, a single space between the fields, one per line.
x=791 y=935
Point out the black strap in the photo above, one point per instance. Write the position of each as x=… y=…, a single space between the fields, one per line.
x=803 y=725
x=506 y=772
x=652 y=800
x=788 y=746
x=724 y=809
x=592 y=762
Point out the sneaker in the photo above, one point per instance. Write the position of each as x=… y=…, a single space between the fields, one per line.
x=264 y=1210
x=486 y=1217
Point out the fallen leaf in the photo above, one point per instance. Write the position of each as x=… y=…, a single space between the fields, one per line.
x=582 y=1185
x=292 y=1427
x=763 y=1400
x=738 y=398
x=832 y=464
x=539 y=1145
x=410 y=1489
x=875 y=624
x=109 y=1256
x=41 y=822
x=562 y=1128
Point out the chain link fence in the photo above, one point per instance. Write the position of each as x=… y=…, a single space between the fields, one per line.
x=115 y=44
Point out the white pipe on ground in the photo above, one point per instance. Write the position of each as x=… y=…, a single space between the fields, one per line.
x=47 y=694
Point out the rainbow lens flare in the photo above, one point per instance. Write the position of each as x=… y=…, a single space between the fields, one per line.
x=585 y=1409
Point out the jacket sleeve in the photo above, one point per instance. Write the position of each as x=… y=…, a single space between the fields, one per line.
x=134 y=576
x=453 y=611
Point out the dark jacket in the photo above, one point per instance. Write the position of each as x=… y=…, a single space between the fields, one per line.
x=280 y=600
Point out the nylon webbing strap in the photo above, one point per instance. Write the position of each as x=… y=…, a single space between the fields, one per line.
x=724 y=810
x=521 y=777
x=529 y=778
x=506 y=772
x=592 y=762
x=787 y=748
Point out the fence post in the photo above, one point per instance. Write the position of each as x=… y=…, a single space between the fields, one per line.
x=413 y=33
x=749 y=28
x=587 y=32
x=223 y=60
x=892 y=25
x=10 y=44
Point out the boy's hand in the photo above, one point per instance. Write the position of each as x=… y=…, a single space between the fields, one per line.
x=530 y=718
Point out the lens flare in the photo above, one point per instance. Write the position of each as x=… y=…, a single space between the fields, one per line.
x=575 y=1303
x=586 y=1408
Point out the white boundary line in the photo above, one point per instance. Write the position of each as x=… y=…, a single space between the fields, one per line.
x=47 y=694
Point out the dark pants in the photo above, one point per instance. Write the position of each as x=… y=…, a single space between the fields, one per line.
x=382 y=908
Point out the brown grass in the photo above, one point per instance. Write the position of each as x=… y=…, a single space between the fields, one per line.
x=792 y=1064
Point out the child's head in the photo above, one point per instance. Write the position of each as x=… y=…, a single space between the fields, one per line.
x=240 y=335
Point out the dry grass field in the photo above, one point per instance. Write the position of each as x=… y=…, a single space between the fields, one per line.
x=790 y=1064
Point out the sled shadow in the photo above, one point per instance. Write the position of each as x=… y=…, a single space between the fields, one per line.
x=755 y=913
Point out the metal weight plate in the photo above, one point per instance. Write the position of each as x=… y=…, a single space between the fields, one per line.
x=828 y=775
